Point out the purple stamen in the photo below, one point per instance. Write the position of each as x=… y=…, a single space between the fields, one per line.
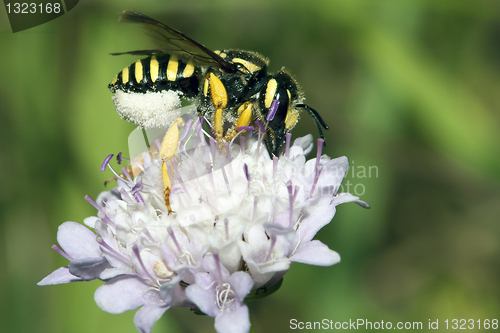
x=201 y=135
x=247 y=174
x=211 y=176
x=318 y=152
x=271 y=248
x=292 y=194
x=174 y=239
x=187 y=128
x=126 y=174
x=199 y=125
x=100 y=209
x=106 y=162
x=185 y=189
x=139 y=199
x=135 y=248
x=217 y=262
x=125 y=195
x=316 y=177
x=242 y=144
x=272 y=110
x=246 y=128
x=119 y=158
x=212 y=149
x=148 y=234
x=261 y=126
x=138 y=187
x=229 y=159
x=226 y=225
x=121 y=183
x=157 y=143
x=176 y=191
x=61 y=252
x=288 y=138
x=105 y=245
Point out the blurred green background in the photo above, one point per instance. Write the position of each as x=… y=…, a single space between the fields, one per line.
x=409 y=88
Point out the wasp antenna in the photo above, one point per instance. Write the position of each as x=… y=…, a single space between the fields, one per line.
x=317 y=119
x=314 y=114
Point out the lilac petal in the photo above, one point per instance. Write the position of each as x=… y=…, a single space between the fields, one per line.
x=114 y=272
x=204 y=299
x=167 y=290
x=60 y=275
x=236 y=321
x=77 y=241
x=320 y=217
x=88 y=268
x=242 y=284
x=344 y=198
x=315 y=253
x=147 y=316
x=121 y=294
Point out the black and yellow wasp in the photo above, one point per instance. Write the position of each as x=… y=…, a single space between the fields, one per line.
x=231 y=87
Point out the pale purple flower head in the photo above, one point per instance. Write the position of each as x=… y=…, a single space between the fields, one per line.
x=240 y=219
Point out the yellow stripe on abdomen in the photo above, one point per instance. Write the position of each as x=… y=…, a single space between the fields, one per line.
x=154 y=68
x=138 y=71
x=188 y=70
x=172 y=68
x=125 y=75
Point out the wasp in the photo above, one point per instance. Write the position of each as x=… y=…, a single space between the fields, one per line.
x=231 y=88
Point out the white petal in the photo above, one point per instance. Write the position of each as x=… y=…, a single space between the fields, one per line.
x=60 y=275
x=147 y=316
x=343 y=198
x=316 y=253
x=113 y=272
x=77 y=241
x=236 y=321
x=90 y=221
x=204 y=299
x=242 y=283
x=320 y=217
x=121 y=294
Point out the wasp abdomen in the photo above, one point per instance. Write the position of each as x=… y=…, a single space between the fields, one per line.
x=159 y=73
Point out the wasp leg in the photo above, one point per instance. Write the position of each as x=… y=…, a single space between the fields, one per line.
x=245 y=115
x=167 y=152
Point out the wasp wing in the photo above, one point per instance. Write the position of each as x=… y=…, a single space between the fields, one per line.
x=172 y=41
x=140 y=52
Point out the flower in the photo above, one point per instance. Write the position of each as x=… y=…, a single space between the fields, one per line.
x=240 y=219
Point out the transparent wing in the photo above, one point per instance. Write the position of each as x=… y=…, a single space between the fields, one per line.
x=172 y=41
x=140 y=52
